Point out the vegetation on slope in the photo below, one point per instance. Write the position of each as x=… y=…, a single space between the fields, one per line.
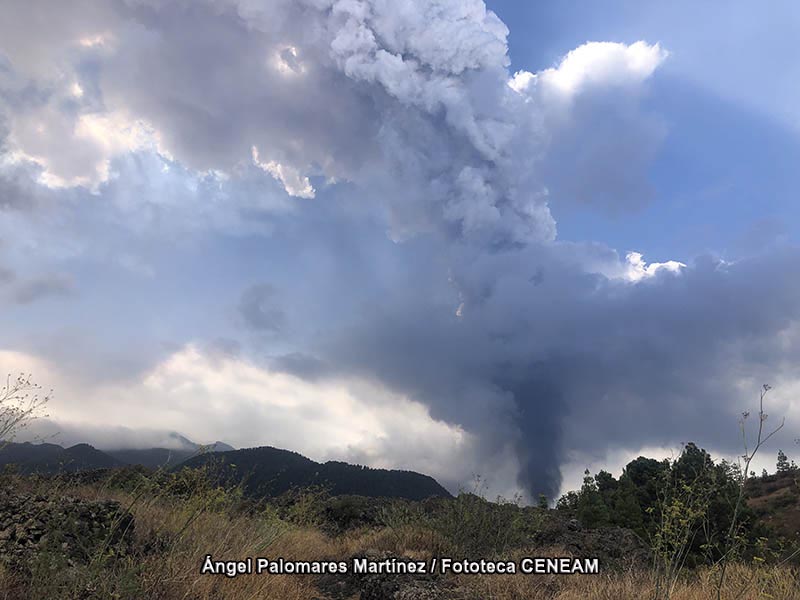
x=271 y=471
x=775 y=502
x=176 y=519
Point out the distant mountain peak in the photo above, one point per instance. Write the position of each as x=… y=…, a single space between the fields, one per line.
x=220 y=447
x=184 y=442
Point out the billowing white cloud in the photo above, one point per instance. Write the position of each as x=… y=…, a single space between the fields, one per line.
x=594 y=64
x=405 y=99
x=637 y=269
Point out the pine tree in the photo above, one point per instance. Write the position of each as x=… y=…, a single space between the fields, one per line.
x=568 y=503
x=783 y=465
x=627 y=511
x=592 y=511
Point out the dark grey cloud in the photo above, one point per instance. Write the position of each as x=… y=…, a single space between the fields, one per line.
x=579 y=362
x=549 y=348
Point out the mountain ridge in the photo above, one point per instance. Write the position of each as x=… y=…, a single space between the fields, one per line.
x=270 y=471
x=52 y=458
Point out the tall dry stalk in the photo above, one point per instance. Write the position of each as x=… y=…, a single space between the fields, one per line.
x=732 y=541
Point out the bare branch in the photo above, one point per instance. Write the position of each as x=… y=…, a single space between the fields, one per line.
x=21 y=402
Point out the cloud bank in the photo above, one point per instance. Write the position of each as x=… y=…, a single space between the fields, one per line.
x=343 y=208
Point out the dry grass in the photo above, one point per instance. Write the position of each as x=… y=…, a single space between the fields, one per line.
x=743 y=583
x=175 y=573
x=172 y=538
x=188 y=534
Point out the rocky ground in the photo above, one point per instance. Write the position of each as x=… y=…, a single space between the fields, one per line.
x=72 y=528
